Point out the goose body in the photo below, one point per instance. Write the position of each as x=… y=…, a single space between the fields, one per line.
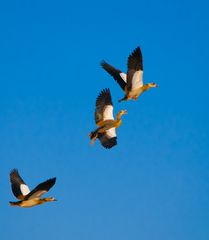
x=132 y=82
x=29 y=198
x=106 y=131
x=29 y=203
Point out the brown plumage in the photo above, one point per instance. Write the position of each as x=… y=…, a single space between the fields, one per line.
x=29 y=198
x=104 y=120
x=132 y=83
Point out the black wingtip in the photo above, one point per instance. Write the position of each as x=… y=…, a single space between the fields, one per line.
x=136 y=52
x=103 y=92
x=50 y=182
x=53 y=180
x=14 y=173
x=14 y=170
x=137 y=49
x=102 y=63
x=135 y=60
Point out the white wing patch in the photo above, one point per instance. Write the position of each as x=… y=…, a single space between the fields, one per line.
x=111 y=133
x=123 y=76
x=137 y=81
x=108 y=112
x=24 y=189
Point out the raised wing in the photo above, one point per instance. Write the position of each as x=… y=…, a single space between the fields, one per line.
x=42 y=188
x=109 y=138
x=135 y=70
x=19 y=188
x=104 y=106
x=119 y=76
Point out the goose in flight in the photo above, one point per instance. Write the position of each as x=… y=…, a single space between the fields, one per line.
x=29 y=198
x=106 y=131
x=132 y=82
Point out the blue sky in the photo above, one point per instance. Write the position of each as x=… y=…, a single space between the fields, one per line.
x=155 y=183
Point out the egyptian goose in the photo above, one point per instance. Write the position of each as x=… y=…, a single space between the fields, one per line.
x=132 y=83
x=29 y=198
x=106 y=131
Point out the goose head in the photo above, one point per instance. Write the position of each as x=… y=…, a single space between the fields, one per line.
x=122 y=112
x=152 y=85
x=50 y=199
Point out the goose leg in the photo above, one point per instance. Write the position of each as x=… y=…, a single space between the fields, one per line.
x=94 y=139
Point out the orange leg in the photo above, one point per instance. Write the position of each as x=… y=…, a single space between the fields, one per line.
x=93 y=139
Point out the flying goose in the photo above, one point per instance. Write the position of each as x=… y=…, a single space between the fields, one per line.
x=132 y=83
x=104 y=120
x=29 y=198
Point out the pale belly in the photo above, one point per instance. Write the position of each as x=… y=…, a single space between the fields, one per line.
x=135 y=93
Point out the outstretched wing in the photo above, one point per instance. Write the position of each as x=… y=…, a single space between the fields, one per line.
x=19 y=188
x=135 y=70
x=109 y=138
x=42 y=188
x=119 y=76
x=104 y=106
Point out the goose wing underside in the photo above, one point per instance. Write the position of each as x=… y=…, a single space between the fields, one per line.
x=109 y=138
x=135 y=70
x=104 y=106
x=42 y=188
x=119 y=76
x=19 y=188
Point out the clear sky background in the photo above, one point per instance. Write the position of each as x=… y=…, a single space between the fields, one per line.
x=155 y=183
